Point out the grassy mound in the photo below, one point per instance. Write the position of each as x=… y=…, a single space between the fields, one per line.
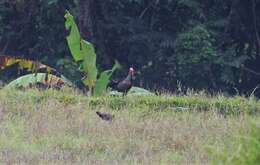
x=194 y=102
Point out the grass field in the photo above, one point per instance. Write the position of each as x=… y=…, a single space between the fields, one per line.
x=61 y=127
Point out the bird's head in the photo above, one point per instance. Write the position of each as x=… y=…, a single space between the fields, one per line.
x=132 y=72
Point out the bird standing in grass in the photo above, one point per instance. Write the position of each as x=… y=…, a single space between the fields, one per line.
x=105 y=116
x=126 y=84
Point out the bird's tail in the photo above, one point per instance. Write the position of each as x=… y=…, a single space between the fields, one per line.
x=113 y=83
x=98 y=113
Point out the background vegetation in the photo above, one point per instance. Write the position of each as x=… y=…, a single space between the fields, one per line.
x=212 y=44
x=176 y=45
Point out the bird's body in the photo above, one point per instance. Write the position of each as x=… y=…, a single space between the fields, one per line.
x=105 y=116
x=125 y=85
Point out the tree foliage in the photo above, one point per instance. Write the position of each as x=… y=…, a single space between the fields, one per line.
x=201 y=44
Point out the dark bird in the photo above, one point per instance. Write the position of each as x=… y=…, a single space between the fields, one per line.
x=126 y=84
x=105 y=116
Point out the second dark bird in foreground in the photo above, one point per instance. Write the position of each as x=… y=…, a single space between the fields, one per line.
x=124 y=85
x=105 y=116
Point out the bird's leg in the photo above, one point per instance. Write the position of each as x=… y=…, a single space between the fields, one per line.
x=124 y=94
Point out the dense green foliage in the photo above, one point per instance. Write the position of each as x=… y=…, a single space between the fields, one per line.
x=199 y=44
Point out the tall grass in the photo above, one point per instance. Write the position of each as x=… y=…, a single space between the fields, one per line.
x=244 y=149
x=61 y=127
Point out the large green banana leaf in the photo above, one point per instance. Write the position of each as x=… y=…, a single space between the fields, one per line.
x=73 y=39
x=43 y=78
x=81 y=50
x=103 y=80
x=84 y=52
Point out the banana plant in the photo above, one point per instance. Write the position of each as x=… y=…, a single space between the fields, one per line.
x=44 y=79
x=51 y=77
x=29 y=65
x=104 y=79
x=83 y=52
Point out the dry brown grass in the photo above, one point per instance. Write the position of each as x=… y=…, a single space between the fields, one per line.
x=46 y=130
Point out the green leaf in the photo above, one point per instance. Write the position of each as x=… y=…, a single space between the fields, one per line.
x=102 y=82
x=82 y=51
x=44 y=78
x=139 y=91
x=135 y=91
x=89 y=63
x=74 y=39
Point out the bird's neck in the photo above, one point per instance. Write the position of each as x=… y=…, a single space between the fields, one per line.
x=129 y=77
